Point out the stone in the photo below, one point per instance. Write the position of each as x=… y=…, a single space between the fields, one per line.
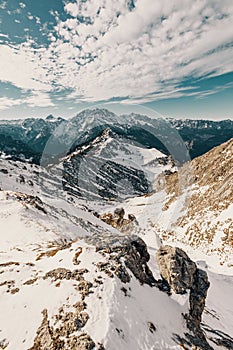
x=120 y=212
x=82 y=342
x=176 y=268
x=118 y=221
x=151 y=327
x=181 y=273
x=124 y=251
x=44 y=338
x=198 y=294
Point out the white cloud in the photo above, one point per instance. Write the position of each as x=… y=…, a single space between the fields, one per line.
x=22 y=5
x=22 y=67
x=3 y=5
x=142 y=54
x=35 y=100
x=39 y=99
x=6 y=103
x=145 y=52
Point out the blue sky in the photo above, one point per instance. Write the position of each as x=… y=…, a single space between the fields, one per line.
x=58 y=57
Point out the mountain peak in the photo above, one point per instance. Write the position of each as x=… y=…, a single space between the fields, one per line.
x=50 y=117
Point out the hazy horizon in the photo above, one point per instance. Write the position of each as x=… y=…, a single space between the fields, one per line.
x=153 y=113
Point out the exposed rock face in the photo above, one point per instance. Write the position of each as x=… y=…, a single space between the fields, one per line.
x=44 y=338
x=118 y=221
x=83 y=342
x=121 y=252
x=62 y=273
x=27 y=199
x=176 y=268
x=63 y=337
x=181 y=273
x=198 y=294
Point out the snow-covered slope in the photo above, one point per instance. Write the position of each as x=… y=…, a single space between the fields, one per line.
x=111 y=167
x=193 y=206
x=70 y=281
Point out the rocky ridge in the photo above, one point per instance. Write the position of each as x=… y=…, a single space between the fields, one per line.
x=207 y=185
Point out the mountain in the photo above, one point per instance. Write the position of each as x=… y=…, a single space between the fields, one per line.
x=28 y=138
x=83 y=273
x=193 y=206
x=202 y=135
x=102 y=155
x=110 y=167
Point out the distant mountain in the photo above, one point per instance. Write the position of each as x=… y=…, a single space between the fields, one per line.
x=202 y=135
x=28 y=138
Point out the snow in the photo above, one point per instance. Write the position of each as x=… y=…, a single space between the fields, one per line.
x=116 y=320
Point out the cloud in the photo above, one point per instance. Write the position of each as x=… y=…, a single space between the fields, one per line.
x=3 y=5
x=6 y=102
x=22 y=5
x=147 y=52
x=39 y=99
x=106 y=50
x=21 y=66
x=34 y=100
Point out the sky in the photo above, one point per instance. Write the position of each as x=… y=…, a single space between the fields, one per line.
x=172 y=56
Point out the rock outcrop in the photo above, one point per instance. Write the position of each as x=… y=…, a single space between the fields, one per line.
x=118 y=221
x=176 y=268
x=63 y=334
x=182 y=274
x=121 y=252
x=26 y=200
x=198 y=294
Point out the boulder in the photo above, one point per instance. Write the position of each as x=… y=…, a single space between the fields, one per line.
x=176 y=268
x=118 y=221
x=181 y=274
x=123 y=251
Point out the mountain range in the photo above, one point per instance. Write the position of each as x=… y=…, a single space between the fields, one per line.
x=27 y=138
x=111 y=239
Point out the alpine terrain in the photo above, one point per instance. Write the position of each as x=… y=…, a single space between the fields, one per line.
x=112 y=237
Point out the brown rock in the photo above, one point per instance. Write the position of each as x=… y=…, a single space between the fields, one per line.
x=176 y=268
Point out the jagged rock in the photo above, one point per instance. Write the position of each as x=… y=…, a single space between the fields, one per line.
x=82 y=342
x=26 y=199
x=119 y=212
x=76 y=256
x=4 y=344
x=176 y=268
x=124 y=251
x=62 y=273
x=151 y=327
x=4 y=171
x=198 y=294
x=84 y=288
x=21 y=179
x=118 y=221
x=44 y=338
x=181 y=273
x=71 y=322
x=136 y=258
x=62 y=337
